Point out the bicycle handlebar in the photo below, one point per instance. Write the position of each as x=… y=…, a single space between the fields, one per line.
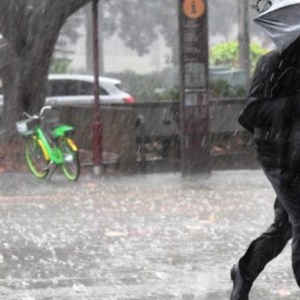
x=37 y=116
x=45 y=108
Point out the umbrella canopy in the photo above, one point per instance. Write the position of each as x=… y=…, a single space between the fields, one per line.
x=280 y=19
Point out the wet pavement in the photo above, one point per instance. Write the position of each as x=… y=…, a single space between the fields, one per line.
x=140 y=237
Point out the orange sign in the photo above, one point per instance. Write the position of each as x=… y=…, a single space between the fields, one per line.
x=193 y=8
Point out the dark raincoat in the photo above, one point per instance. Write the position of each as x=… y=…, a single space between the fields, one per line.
x=273 y=108
x=272 y=115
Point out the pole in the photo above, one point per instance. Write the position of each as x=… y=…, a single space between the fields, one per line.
x=194 y=102
x=244 y=39
x=89 y=39
x=97 y=126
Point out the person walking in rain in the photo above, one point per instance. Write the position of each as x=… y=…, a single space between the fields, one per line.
x=272 y=116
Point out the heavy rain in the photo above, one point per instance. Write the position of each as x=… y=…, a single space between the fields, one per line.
x=142 y=147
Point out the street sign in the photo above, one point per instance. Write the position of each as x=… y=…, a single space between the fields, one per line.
x=193 y=8
x=193 y=31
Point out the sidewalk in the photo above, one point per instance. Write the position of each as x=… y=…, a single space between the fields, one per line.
x=138 y=237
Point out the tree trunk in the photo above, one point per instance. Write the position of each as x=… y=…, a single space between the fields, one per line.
x=11 y=109
x=31 y=28
x=25 y=80
x=24 y=85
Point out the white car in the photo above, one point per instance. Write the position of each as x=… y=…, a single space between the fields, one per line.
x=78 y=90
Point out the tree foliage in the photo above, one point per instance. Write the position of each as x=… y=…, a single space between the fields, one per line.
x=69 y=34
x=139 y=23
x=222 y=17
x=227 y=54
x=60 y=65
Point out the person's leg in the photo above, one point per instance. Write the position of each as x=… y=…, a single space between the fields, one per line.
x=260 y=252
x=296 y=253
x=289 y=197
x=266 y=247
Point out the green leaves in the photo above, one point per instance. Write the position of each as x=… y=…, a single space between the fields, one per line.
x=140 y=23
x=227 y=54
x=224 y=54
x=59 y=65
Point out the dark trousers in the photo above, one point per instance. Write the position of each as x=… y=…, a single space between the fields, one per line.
x=286 y=226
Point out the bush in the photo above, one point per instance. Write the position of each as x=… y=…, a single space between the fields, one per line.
x=150 y=87
x=153 y=87
x=223 y=89
x=60 y=65
x=228 y=54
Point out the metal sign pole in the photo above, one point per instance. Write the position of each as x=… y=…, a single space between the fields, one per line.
x=193 y=31
x=244 y=38
x=97 y=126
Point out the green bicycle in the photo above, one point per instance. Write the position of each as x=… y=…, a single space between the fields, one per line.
x=44 y=149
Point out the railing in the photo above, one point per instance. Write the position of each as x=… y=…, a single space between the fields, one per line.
x=163 y=118
x=160 y=121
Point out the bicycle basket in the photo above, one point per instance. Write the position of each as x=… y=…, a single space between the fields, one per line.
x=26 y=127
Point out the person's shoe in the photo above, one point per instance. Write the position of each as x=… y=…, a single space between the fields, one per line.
x=241 y=287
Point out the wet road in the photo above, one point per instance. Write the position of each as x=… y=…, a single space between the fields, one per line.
x=139 y=237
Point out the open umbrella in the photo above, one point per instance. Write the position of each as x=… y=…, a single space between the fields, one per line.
x=280 y=19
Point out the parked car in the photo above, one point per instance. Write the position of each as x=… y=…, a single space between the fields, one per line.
x=67 y=89
x=78 y=90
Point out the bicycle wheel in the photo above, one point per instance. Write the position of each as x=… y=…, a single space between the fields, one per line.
x=71 y=165
x=35 y=158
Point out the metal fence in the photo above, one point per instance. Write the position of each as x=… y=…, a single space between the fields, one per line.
x=231 y=146
x=157 y=134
